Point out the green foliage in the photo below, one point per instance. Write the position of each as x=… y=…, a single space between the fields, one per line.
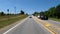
x=2 y=13
x=22 y=12
x=26 y=14
x=35 y=13
x=52 y=12
x=11 y=20
x=42 y=13
x=57 y=10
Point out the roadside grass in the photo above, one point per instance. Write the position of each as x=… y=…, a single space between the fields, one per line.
x=55 y=19
x=6 y=16
x=9 y=21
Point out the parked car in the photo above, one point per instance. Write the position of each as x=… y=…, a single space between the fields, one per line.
x=38 y=16
x=43 y=17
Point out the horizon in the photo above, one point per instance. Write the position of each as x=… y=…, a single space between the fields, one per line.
x=28 y=6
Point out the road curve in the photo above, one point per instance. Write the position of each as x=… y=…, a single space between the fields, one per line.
x=29 y=26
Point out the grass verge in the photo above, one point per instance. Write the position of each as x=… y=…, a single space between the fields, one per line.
x=55 y=19
x=7 y=22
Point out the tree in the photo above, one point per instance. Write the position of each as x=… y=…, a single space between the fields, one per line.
x=41 y=13
x=26 y=13
x=22 y=12
x=51 y=12
x=35 y=13
x=2 y=13
x=57 y=10
x=46 y=13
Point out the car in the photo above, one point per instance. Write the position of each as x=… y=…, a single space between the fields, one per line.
x=43 y=17
x=30 y=17
x=38 y=16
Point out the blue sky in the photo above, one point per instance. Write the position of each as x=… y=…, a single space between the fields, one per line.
x=29 y=6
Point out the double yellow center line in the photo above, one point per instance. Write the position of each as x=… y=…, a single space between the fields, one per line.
x=45 y=25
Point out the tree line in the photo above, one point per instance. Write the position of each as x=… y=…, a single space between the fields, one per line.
x=53 y=12
x=3 y=14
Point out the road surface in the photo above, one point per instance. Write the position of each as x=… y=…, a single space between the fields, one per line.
x=29 y=26
x=55 y=26
x=53 y=22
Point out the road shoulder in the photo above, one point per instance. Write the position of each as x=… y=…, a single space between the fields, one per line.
x=2 y=30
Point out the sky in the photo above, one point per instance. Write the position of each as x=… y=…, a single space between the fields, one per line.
x=28 y=6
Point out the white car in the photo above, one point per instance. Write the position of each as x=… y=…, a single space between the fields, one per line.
x=38 y=16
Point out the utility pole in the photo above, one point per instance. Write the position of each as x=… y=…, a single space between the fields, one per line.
x=8 y=14
x=15 y=10
x=8 y=11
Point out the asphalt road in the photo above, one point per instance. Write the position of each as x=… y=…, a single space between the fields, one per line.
x=29 y=26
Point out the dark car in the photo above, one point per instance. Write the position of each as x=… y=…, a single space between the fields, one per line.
x=30 y=17
x=44 y=17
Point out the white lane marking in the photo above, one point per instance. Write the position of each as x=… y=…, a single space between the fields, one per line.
x=14 y=26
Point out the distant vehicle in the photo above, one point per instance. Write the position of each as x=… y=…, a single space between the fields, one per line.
x=30 y=17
